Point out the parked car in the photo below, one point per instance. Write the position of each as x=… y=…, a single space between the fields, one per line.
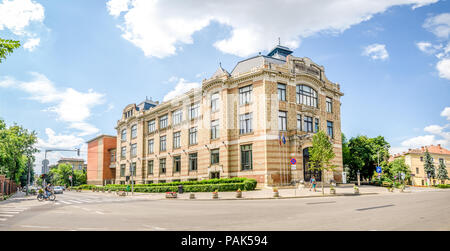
x=58 y=189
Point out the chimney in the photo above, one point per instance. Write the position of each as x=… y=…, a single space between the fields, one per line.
x=439 y=145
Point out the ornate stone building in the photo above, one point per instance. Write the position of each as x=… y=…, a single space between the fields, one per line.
x=234 y=125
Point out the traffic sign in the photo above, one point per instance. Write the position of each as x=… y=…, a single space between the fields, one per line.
x=293 y=167
x=378 y=169
x=293 y=161
x=70 y=177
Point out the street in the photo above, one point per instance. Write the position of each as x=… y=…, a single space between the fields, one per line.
x=426 y=210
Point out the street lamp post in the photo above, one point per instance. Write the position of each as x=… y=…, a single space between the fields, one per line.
x=358 y=175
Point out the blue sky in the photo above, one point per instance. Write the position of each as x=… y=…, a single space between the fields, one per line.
x=82 y=61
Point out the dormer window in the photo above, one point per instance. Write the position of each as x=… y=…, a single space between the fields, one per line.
x=128 y=114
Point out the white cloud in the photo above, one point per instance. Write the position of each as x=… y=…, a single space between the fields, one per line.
x=32 y=43
x=428 y=48
x=376 y=51
x=182 y=87
x=18 y=16
x=437 y=135
x=58 y=141
x=160 y=28
x=439 y=25
x=116 y=7
x=69 y=105
x=443 y=67
x=446 y=113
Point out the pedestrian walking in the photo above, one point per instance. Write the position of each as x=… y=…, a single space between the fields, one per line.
x=313 y=183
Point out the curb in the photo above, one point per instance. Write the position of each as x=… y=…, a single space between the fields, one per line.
x=277 y=198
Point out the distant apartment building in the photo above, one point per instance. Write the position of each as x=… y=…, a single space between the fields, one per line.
x=101 y=164
x=234 y=126
x=76 y=163
x=414 y=158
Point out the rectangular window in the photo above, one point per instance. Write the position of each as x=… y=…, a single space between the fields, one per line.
x=177 y=140
x=245 y=95
x=193 y=162
x=163 y=122
x=441 y=161
x=215 y=102
x=299 y=122
x=215 y=129
x=282 y=120
x=113 y=157
x=282 y=92
x=150 y=167
x=193 y=136
x=194 y=111
x=329 y=104
x=308 y=124
x=151 y=126
x=246 y=157
x=177 y=117
x=177 y=164
x=417 y=170
x=316 y=125
x=245 y=123
x=330 y=129
x=134 y=131
x=124 y=135
x=122 y=170
x=421 y=159
x=162 y=143
x=151 y=146
x=133 y=150
x=123 y=151
x=133 y=169
x=162 y=166
x=214 y=156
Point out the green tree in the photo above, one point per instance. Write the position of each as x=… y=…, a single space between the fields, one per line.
x=7 y=47
x=442 y=174
x=394 y=168
x=16 y=150
x=428 y=165
x=321 y=154
x=363 y=153
x=80 y=178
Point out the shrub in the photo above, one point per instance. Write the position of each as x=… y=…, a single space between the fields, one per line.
x=443 y=186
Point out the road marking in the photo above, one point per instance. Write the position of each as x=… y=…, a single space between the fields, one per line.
x=66 y=202
x=9 y=212
x=369 y=208
x=6 y=215
x=1 y=219
x=75 y=201
x=99 y=212
x=311 y=203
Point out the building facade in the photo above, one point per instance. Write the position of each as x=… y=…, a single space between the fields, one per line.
x=101 y=164
x=248 y=123
x=414 y=158
x=76 y=163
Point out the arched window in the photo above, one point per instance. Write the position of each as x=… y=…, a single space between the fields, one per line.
x=306 y=95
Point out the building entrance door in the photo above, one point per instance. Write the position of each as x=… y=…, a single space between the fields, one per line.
x=214 y=175
x=306 y=171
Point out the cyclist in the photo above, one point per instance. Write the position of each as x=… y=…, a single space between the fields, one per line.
x=48 y=190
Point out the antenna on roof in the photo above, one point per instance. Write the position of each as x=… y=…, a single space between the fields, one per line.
x=279 y=41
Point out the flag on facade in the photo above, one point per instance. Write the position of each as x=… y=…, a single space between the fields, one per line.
x=284 y=139
x=279 y=139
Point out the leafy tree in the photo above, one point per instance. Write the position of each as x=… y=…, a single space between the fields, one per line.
x=442 y=172
x=363 y=153
x=321 y=154
x=16 y=150
x=394 y=168
x=60 y=176
x=7 y=47
x=428 y=165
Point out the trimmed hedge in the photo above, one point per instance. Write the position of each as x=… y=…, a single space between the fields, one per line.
x=222 y=185
x=443 y=186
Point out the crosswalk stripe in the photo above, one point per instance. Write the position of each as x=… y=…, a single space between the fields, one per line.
x=2 y=219
x=8 y=212
x=75 y=201
x=65 y=202
x=6 y=215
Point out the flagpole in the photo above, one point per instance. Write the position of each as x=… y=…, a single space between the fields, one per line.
x=279 y=148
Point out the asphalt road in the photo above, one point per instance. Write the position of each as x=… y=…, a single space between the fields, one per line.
x=91 y=211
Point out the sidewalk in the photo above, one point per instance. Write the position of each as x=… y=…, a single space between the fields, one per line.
x=267 y=193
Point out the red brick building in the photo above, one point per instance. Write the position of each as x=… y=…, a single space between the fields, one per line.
x=101 y=160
